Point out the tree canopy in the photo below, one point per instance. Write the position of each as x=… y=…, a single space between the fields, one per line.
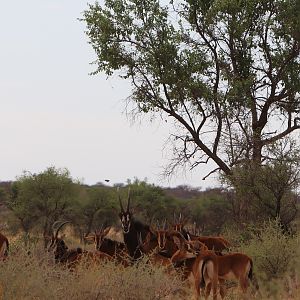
x=227 y=72
x=42 y=198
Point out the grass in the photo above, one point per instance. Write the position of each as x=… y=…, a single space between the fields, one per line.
x=36 y=276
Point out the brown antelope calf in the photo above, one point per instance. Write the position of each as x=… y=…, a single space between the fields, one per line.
x=4 y=247
x=203 y=268
x=238 y=267
x=232 y=266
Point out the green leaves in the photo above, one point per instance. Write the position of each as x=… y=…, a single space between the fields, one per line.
x=42 y=198
x=223 y=65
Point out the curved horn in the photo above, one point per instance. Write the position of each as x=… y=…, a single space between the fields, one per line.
x=128 y=201
x=121 y=205
x=189 y=237
x=59 y=227
x=165 y=224
x=55 y=223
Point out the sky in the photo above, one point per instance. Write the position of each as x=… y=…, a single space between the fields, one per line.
x=53 y=113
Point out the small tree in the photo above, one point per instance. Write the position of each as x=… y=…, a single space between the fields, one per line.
x=42 y=198
x=95 y=208
x=151 y=202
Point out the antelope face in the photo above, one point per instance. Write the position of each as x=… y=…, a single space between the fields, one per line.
x=99 y=237
x=52 y=244
x=98 y=240
x=178 y=227
x=58 y=247
x=161 y=238
x=125 y=218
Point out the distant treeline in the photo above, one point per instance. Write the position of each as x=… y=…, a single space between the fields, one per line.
x=33 y=202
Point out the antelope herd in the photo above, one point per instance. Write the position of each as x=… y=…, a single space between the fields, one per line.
x=204 y=260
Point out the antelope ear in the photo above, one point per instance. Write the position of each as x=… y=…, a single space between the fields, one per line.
x=106 y=231
x=89 y=238
x=177 y=242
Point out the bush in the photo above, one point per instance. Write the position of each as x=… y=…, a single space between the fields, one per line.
x=274 y=253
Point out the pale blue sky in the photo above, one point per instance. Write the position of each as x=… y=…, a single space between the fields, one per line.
x=53 y=113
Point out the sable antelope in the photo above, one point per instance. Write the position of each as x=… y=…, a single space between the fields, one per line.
x=4 y=247
x=163 y=244
x=232 y=266
x=113 y=248
x=62 y=253
x=235 y=266
x=204 y=269
x=178 y=225
x=132 y=230
x=216 y=243
x=149 y=246
x=70 y=257
x=191 y=257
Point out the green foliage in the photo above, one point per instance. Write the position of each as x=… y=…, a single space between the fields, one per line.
x=95 y=207
x=271 y=188
x=150 y=202
x=230 y=66
x=274 y=253
x=42 y=198
x=210 y=212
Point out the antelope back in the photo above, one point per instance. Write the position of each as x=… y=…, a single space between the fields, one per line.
x=234 y=263
x=217 y=244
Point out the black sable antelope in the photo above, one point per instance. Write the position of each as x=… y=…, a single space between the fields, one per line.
x=62 y=253
x=111 y=247
x=70 y=257
x=133 y=230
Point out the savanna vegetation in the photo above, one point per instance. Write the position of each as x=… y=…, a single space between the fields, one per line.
x=54 y=195
x=227 y=74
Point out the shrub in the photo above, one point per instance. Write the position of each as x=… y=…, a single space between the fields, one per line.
x=274 y=252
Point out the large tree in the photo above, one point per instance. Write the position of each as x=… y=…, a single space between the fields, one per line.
x=227 y=72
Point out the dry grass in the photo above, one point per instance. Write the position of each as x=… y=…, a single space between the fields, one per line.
x=34 y=275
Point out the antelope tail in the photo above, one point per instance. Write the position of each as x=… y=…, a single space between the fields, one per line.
x=250 y=274
x=7 y=249
x=252 y=277
x=202 y=282
x=4 y=249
